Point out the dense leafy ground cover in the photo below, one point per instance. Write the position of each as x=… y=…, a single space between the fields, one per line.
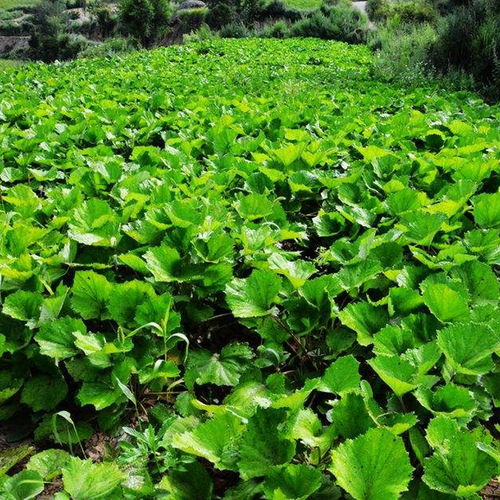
x=285 y=266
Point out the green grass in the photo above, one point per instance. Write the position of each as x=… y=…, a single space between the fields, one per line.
x=13 y=4
x=304 y=4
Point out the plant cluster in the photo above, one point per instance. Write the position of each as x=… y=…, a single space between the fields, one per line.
x=277 y=272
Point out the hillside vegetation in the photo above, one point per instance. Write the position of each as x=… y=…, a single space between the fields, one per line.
x=253 y=270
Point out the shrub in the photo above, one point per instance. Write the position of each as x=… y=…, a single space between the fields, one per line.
x=203 y=34
x=234 y=30
x=410 y=11
x=276 y=9
x=375 y=9
x=415 y=11
x=191 y=19
x=468 y=40
x=48 y=37
x=403 y=52
x=145 y=20
x=279 y=29
x=105 y=21
x=333 y=23
x=231 y=12
x=108 y=48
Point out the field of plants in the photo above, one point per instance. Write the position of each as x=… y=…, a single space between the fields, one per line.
x=246 y=269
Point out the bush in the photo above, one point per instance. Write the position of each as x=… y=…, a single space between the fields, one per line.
x=48 y=38
x=108 y=48
x=403 y=52
x=412 y=11
x=106 y=22
x=232 y=12
x=333 y=23
x=145 y=20
x=415 y=11
x=276 y=9
x=191 y=19
x=202 y=35
x=375 y=9
x=280 y=29
x=234 y=30
x=468 y=40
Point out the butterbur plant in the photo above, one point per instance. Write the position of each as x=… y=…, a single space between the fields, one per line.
x=251 y=294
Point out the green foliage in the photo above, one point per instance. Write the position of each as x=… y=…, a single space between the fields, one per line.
x=337 y=22
x=279 y=296
x=468 y=40
x=145 y=20
x=49 y=37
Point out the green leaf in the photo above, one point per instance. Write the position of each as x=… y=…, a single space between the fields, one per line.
x=94 y=223
x=458 y=466
x=420 y=227
x=307 y=427
x=211 y=440
x=23 y=486
x=295 y=482
x=364 y=319
x=205 y=367
x=56 y=338
x=24 y=306
x=480 y=281
x=43 y=392
x=125 y=298
x=90 y=294
x=164 y=263
x=342 y=376
x=297 y=271
x=450 y=400
x=403 y=301
x=262 y=445
x=487 y=209
x=355 y=275
x=97 y=394
x=342 y=416
x=393 y=340
x=192 y=482
x=445 y=301
x=374 y=466
x=253 y=297
x=49 y=463
x=400 y=375
x=254 y=206
x=84 y=480
x=468 y=347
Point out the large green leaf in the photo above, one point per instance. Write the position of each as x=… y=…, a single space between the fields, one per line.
x=225 y=368
x=468 y=347
x=445 y=301
x=90 y=294
x=295 y=482
x=23 y=486
x=56 y=338
x=374 y=466
x=85 y=480
x=254 y=296
x=43 y=392
x=458 y=466
x=262 y=445
x=211 y=440
x=342 y=376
